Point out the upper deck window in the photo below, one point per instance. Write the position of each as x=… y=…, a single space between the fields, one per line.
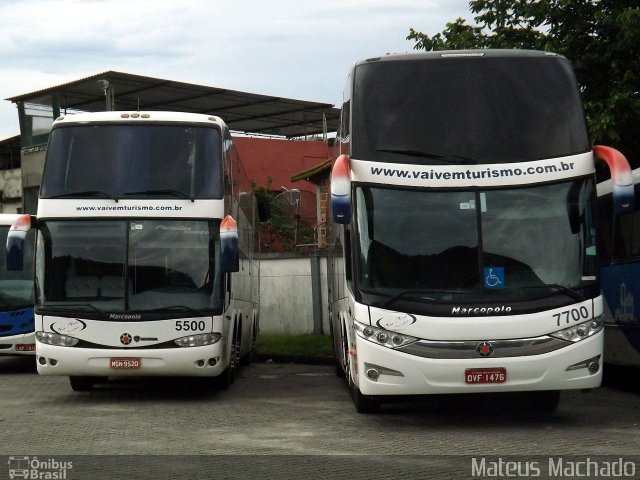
x=133 y=161
x=467 y=110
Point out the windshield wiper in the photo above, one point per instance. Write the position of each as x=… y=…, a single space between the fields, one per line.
x=408 y=293
x=161 y=192
x=181 y=308
x=69 y=306
x=446 y=158
x=423 y=294
x=85 y=193
x=557 y=288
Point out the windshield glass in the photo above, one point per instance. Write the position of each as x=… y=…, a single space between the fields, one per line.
x=137 y=266
x=16 y=288
x=494 y=245
x=466 y=110
x=133 y=160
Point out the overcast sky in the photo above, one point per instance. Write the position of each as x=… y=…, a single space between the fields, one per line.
x=288 y=48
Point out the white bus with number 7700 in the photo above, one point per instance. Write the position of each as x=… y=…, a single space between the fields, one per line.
x=464 y=198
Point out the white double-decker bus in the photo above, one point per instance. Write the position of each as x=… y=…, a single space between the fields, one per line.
x=466 y=260
x=143 y=252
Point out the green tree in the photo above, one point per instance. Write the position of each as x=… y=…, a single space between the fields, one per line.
x=601 y=38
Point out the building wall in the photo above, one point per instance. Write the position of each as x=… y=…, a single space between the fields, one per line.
x=11 y=187
x=278 y=160
x=270 y=163
x=32 y=165
x=287 y=297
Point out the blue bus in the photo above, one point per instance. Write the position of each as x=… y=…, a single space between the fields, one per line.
x=16 y=298
x=619 y=241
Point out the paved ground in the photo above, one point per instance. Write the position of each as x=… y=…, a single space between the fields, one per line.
x=295 y=421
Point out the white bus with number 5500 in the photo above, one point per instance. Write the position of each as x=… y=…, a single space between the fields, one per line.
x=143 y=253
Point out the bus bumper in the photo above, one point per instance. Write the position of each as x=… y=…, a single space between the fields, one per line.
x=206 y=361
x=405 y=374
x=22 y=344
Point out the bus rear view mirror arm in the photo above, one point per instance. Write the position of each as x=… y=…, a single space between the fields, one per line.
x=341 y=190
x=621 y=176
x=229 y=255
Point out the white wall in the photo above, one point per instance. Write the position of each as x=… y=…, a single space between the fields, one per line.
x=11 y=185
x=286 y=300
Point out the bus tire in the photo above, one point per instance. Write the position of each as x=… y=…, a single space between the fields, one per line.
x=251 y=354
x=228 y=375
x=226 y=378
x=364 y=403
x=344 y=363
x=546 y=401
x=336 y=358
x=82 y=384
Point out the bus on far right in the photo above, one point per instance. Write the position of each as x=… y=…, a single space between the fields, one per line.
x=619 y=241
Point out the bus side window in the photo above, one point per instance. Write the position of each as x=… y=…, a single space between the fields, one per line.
x=605 y=230
x=628 y=236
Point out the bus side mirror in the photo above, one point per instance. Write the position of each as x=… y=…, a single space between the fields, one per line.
x=229 y=254
x=621 y=177
x=15 y=243
x=341 y=190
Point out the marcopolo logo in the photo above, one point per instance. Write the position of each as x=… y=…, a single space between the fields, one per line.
x=480 y=310
x=125 y=316
x=37 y=468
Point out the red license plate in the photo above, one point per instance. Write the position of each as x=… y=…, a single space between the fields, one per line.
x=485 y=375
x=25 y=347
x=123 y=363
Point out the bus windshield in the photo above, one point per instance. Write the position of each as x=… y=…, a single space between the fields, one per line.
x=133 y=161
x=16 y=287
x=496 y=110
x=141 y=266
x=494 y=245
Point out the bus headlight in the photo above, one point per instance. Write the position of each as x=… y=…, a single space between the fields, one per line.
x=56 y=339
x=578 y=332
x=199 y=340
x=382 y=337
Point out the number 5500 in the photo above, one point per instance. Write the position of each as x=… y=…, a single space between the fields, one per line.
x=190 y=325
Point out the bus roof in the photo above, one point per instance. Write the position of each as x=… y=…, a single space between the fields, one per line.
x=138 y=116
x=443 y=54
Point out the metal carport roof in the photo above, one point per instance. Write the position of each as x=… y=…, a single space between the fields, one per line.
x=242 y=111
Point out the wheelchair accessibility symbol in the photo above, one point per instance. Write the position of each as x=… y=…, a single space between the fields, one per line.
x=493 y=277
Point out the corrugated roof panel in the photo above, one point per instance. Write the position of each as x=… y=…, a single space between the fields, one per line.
x=243 y=111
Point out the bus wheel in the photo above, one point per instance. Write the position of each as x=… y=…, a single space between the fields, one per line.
x=546 y=401
x=82 y=384
x=364 y=403
x=226 y=378
x=254 y=338
x=238 y=350
x=336 y=357
x=249 y=356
